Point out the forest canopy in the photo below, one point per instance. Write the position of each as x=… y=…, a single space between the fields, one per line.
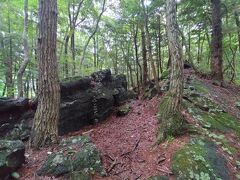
x=96 y=34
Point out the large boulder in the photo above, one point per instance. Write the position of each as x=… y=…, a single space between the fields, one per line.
x=11 y=157
x=77 y=156
x=91 y=99
x=84 y=101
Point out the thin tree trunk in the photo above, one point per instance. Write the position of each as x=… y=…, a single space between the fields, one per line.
x=144 y=55
x=45 y=123
x=199 y=46
x=9 y=64
x=139 y=68
x=66 y=57
x=26 y=51
x=160 y=46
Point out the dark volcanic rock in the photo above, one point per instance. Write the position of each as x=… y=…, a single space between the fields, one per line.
x=84 y=100
x=11 y=156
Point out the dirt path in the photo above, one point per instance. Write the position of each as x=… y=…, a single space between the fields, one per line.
x=126 y=143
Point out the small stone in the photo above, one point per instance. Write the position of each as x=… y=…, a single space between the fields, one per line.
x=15 y=175
x=123 y=110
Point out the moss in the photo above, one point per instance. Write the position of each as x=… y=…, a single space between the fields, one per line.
x=221 y=121
x=78 y=154
x=214 y=118
x=199 y=160
x=172 y=123
x=199 y=87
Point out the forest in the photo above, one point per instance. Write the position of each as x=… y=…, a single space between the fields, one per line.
x=120 y=89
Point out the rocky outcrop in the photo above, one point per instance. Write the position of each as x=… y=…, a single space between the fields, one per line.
x=11 y=157
x=84 y=101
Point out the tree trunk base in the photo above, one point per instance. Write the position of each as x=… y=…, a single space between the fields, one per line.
x=172 y=124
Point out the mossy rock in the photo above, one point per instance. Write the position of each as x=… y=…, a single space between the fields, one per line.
x=123 y=110
x=11 y=156
x=77 y=154
x=215 y=118
x=199 y=160
x=56 y=165
x=206 y=112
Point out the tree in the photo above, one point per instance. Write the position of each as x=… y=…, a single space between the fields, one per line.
x=25 y=46
x=45 y=131
x=216 y=51
x=173 y=122
x=148 y=41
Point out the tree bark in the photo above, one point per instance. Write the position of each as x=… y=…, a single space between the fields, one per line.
x=26 y=50
x=45 y=124
x=216 y=46
x=170 y=106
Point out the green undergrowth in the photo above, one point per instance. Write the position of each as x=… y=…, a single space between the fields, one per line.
x=199 y=159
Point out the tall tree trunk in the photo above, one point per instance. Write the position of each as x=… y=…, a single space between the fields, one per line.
x=216 y=55
x=148 y=41
x=26 y=50
x=45 y=124
x=173 y=122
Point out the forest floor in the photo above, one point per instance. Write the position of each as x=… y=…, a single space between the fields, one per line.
x=127 y=143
